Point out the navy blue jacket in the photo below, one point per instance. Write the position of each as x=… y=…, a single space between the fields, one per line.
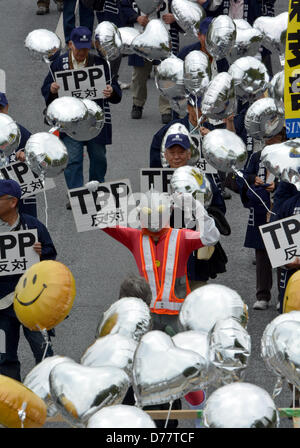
x=252 y=10
x=222 y=64
x=9 y=282
x=62 y=63
x=111 y=12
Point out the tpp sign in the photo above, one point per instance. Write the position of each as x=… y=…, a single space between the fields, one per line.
x=282 y=240
x=16 y=251
x=84 y=83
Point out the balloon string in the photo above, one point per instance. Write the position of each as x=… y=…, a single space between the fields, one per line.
x=109 y=70
x=46 y=339
x=50 y=69
x=170 y=407
x=22 y=413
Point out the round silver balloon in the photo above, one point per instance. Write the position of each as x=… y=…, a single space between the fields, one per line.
x=190 y=179
x=263 y=119
x=276 y=90
x=114 y=350
x=121 y=416
x=127 y=34
x=230 y=348
x=95 y=119
x=42 y=44
x=46 y=154
x=204 y=306
x=149 y=6
x=197 y=72
x=220 y=37
x=163 y=372
x=274 y=30
x=240 y=405
x=128 y=316
x=250 y=78
x=37 y=380
x=178 y=128
x=224 y=150
x=219 y=100
x=10 y=135
x=79 y=391
x=169 y=79
x=247 y=43
x=154 y=42
x=188 y=15
x=108 y=40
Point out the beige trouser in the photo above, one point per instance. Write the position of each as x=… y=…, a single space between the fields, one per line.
x=139 y=88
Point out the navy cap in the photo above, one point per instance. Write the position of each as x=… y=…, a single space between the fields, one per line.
x=178 y=139
x=3 y=99
x=195 y=101
x=204 y=25
x=81 y=37
x=10 y=187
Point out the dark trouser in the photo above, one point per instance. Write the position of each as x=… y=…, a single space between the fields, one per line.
x=9 y=341
x=264 y=278
x=86 y=17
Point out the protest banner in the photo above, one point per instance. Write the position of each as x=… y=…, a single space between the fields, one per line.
x=16 y=251
x=86 y=83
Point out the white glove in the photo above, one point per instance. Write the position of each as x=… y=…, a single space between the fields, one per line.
x=92 y=185
x=209 y=234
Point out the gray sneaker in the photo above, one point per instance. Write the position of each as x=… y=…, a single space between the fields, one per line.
x=260 y=305
x=42 y=10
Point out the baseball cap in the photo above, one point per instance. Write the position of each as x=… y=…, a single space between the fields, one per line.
x=81 y=37
x=3 y=99
x=204 y=25
x=195 y=101
x=178 y=139
x=10 y=187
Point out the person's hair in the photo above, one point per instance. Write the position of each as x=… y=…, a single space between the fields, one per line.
x=136 y=286
x=2 y=107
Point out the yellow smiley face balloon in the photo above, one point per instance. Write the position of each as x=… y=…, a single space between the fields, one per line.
x=291 y=301
x=44 y=295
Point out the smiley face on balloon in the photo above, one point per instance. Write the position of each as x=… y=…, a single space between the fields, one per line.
x=44 y=295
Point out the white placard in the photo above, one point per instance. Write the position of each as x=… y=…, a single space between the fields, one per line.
x=16 y=251
x=282 y=240
x=84 y=83
x=29 y=182
x=202 y=164
x=159 y=178
x=106 y=207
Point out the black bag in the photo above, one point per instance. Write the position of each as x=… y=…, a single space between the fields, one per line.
x=230 y=183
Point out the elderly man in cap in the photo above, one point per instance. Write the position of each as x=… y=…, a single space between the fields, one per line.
x=78 y=57
x=10 y=221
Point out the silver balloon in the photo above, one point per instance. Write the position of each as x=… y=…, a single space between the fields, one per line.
x=198 y=341
x=127 y=34
x=114 y=350
x=108 y=40
x=204 y=306
x=95 y=118
x=276 y=90
x=219 y=100
x=250 y=78
x=10 y=135
x=247 y=43
x=188 y=15
x=230 y=346
x=274 y=30
x=128 y=316
x=197 y=72
x=263 y=119
x=37 y=380
x=121 y=416
x=154 y=42
x=79 y=391
x=240 y=405
x=163 y=372
x=46 y=154
x=190 y=179
x=149 y=6
x=42 y=44
x=169 y=79
x=178 y=128
x=224 y=150
x=220 y=36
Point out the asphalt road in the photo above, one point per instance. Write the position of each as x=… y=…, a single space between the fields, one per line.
x=98 y=263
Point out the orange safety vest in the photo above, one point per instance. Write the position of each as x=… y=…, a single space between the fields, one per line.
x=164 y=300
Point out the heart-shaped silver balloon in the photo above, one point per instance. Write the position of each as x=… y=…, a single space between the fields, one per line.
x=37 y=380
x=196 y=72
x=189 y=179
x=274 y=30
x=204 y=306
x=114 y=350
x=188 y=15
x=169 y=78
x=263 y=119
x=79 y=391
x=154 y=42
x=121 y=416
x=46 y=154
x=42 y=44
x=179 y=128
x=219 y=100
x=163 y=372
x=95 y=119
x=224 y=150
x=250 y=78
x=127 y=34
x=108 y=40
x=128 y=316
x=10 y=135
x=149 y=6
x=276 y=90
x=247 y=43
x=220 y=37
x=240 y=405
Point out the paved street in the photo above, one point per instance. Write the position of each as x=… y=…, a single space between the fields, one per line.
x=98 y=263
